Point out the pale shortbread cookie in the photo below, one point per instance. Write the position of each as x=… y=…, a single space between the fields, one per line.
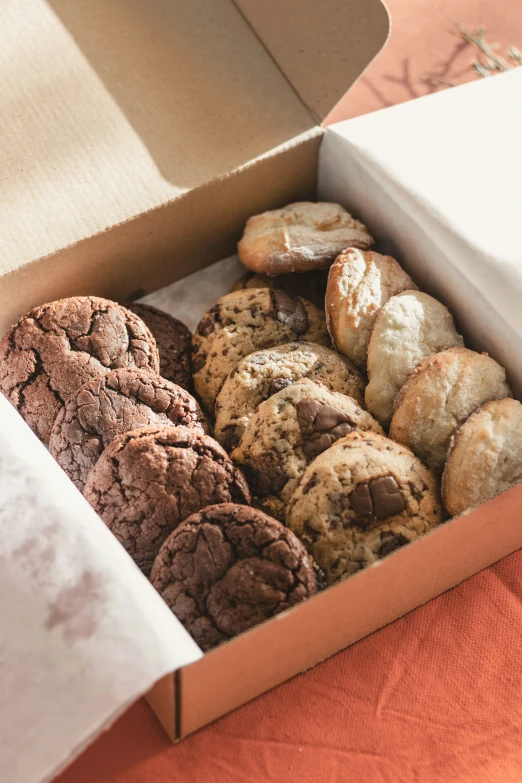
x=361 y=499
x=300 y=237
x=309 y=285
x=439 y=395
x=289 y=430
x=264 y=373
x=485 y=456
x=359 y=284
x=247 y=321
x=410 y=326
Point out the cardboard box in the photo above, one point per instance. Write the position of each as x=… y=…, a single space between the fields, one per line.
x=164 y=126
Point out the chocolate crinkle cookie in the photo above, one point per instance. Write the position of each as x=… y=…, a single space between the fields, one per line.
x=361 y=499
x=110 y=405
x=58 y=347
x=247 y=321
x=228 y=568
x=173 y=339
x=149 y=480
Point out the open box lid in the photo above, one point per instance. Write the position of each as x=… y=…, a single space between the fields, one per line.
x=110 y=110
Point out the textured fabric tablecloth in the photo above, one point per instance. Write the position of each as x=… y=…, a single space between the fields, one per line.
x=437 y=696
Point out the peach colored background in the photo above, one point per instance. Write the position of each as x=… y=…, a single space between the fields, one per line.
x=437 y=696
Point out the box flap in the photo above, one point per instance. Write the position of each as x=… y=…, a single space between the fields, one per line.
x=321 y=47
x=111 y=110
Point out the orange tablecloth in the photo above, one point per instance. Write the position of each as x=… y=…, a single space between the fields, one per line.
x=437 y=696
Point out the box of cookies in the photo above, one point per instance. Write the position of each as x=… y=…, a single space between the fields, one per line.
x=217 y=470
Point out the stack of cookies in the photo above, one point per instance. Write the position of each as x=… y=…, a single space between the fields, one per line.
x=322 y=348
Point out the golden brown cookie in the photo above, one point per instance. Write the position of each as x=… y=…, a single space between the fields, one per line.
x=359 y=500
x=410 y=326
x=299 y=238
x=247 y=321
x=439 y=395
x=264 y=373
x=359 y=284
x=485 y=456
x=289 y=430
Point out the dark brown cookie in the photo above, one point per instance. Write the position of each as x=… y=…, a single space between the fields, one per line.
x=173 y=339
x=228 y=568
x=58 y=347
x=149 y=480
x=110 y=405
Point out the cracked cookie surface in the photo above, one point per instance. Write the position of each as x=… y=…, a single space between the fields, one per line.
x=410 y=327
x=300 y=237
x=291 y=429
x=228 y=568
x=485 y=456
x=439 y=395
x=173 y=340
x=58 y=347
x=247 y=321
x=361 y=499
x=149 y=480
x=110 y=405
x=359 y=284
x=266 y=372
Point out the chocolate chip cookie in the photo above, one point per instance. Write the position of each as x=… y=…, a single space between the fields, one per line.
x=300 y=237
x=149 y=480
x=58 y=347
x=309 y=285
x=110 y=405
x=439 y=395
x=264 y=373
x=288 y=431
x=359 y=500
x=359 y=284
x=485 y=456
x=174 y=343
x=410 y=326
x=228 y=568
x=243 y=322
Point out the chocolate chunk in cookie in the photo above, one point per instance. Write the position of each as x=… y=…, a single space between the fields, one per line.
x=288 y=431
x=174 y=343
x=300 y=237
x=290 y=310
x=58 y=347
x=379 y=499
x=359 y=500
x=110 y=405
x=244 y=322
x=228 y=568
x=309 y=285
x=264 y=373
x=149 y=480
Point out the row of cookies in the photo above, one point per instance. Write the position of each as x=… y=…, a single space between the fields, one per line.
x=83 y=372
x=423 y=385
